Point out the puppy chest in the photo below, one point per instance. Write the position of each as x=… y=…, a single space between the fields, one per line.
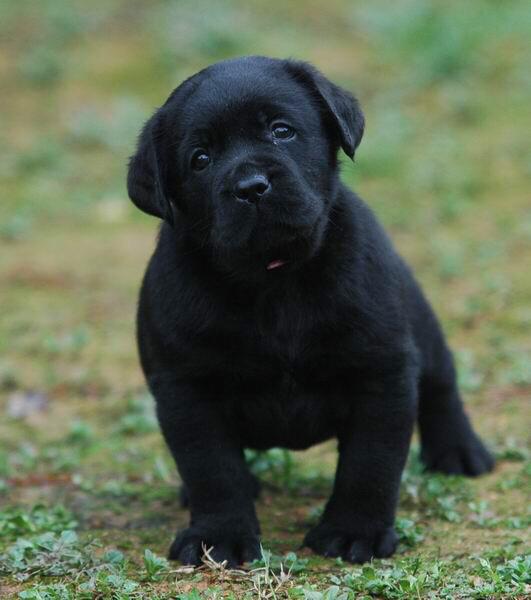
x=284 y=362
x=285 y=415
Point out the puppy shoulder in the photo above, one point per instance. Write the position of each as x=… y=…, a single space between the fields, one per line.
x=173 y=291
x=376 y=276
x=368 y=239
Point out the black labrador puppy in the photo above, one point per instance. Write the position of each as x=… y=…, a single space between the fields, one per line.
x=276 y=312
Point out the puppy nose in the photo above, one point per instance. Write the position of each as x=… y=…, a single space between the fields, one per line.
x=252 y=188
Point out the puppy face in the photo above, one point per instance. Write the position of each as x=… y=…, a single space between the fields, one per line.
x=243 y=157
x=253 y=158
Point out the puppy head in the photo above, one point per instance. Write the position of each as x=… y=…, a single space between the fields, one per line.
x=242 y=159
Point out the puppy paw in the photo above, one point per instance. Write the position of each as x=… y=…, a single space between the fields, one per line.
x=332 y=542
x=228 y=543
x=470 y=458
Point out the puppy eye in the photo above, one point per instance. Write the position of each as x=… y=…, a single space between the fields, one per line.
x=200 y=160
x=281 y=131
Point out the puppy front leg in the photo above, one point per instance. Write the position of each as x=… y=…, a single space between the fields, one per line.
x=211 y=463
x=358 y=520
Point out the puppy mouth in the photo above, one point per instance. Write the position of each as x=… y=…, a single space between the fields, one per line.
x=288 y=244
x=275 y=264
x=267 y=245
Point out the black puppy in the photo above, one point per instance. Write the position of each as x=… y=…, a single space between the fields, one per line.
x=275 y=311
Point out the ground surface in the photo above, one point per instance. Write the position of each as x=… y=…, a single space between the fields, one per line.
x=88 y=500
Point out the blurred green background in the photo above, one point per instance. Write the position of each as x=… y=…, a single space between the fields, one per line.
x=445 y=163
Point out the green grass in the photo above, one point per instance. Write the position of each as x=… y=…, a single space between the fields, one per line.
x=88 y=492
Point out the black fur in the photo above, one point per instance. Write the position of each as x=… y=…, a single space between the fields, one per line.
x=337 y=341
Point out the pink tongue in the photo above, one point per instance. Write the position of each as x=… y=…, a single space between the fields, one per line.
x=274 y=264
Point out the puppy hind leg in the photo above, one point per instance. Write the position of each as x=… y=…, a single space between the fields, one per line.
x=448 y=441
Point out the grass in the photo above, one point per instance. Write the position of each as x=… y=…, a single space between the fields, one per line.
x=88 y=492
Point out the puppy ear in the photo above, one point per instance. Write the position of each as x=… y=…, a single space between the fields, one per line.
x=145 y=177
x=340 y=105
